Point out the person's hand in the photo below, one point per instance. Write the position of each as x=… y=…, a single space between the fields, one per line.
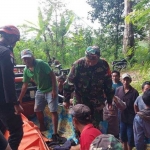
x=115 y=99
x=71 y=101
x=18 y=109
x=20 y=100
x=110 y=106
x=54 y=94
x=66 y=105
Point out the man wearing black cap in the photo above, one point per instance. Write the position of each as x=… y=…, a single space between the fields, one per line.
x=90 y=78
x=81 y=118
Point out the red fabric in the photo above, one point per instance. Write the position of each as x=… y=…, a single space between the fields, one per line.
x=88 y=134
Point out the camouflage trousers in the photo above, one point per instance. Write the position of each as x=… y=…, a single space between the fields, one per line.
x=96 y=109
x=97 y=116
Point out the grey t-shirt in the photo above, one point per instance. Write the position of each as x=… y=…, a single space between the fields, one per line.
x=139 y=102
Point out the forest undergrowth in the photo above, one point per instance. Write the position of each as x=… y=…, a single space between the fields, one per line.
x=138 y=75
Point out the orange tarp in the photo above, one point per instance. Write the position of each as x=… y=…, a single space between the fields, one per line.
x=32 y=138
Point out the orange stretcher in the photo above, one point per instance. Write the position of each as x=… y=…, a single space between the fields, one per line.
x=32 y=138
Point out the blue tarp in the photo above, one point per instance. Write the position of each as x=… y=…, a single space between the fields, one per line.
x=65 y=126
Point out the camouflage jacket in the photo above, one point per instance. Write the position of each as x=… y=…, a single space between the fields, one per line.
x=89 y=83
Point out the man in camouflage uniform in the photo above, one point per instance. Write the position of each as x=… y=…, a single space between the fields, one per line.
x=90 y=79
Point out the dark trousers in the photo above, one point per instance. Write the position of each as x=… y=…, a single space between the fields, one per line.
x=96 y=115
x=3 y=142
x=13 y=123
x=126 y=132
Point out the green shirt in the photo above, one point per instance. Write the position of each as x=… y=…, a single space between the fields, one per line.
x=40 y=75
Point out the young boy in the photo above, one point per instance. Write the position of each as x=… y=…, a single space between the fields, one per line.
x=116 y=79
x=111 y=116
x=139 y=104
x=141 y=125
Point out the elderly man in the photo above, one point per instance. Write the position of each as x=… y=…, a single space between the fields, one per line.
x=90 y=79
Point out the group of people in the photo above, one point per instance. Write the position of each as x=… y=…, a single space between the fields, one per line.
x=10 y=104
x=110 y=99
x=132 y=127
x=97 y=95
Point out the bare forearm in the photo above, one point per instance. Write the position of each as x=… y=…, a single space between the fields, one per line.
x=53 y=80
x=77 y=147
x=23 y=91
x=119 y=103
x=136 y=109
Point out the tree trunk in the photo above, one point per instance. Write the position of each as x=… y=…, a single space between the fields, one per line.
x=149 y=37
x=128 y=38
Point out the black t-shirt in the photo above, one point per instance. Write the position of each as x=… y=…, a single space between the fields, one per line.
x=7 y=85
x=127 y=115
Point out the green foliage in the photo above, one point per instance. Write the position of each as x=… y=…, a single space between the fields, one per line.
x=29 y=44
x=140 y=17
x=141 y=14
x=109 y=13
x=139 y=76
x=60 y=34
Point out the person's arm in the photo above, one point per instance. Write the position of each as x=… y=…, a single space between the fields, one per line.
x=8 y=78
x=108 y=84
x=54 y=85
x=68 y=86
x=77 y=147
x=25 y=81
x=8 y=82
x=138 y=133
x=136 y=108
x=119 y=103
x=23 y=91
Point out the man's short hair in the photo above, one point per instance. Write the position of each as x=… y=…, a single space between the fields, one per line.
x=82 y=113
x=145 y=83
x=117 y=72
x=146 y=97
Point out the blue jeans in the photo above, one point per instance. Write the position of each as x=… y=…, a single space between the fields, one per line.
x=126 y=131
